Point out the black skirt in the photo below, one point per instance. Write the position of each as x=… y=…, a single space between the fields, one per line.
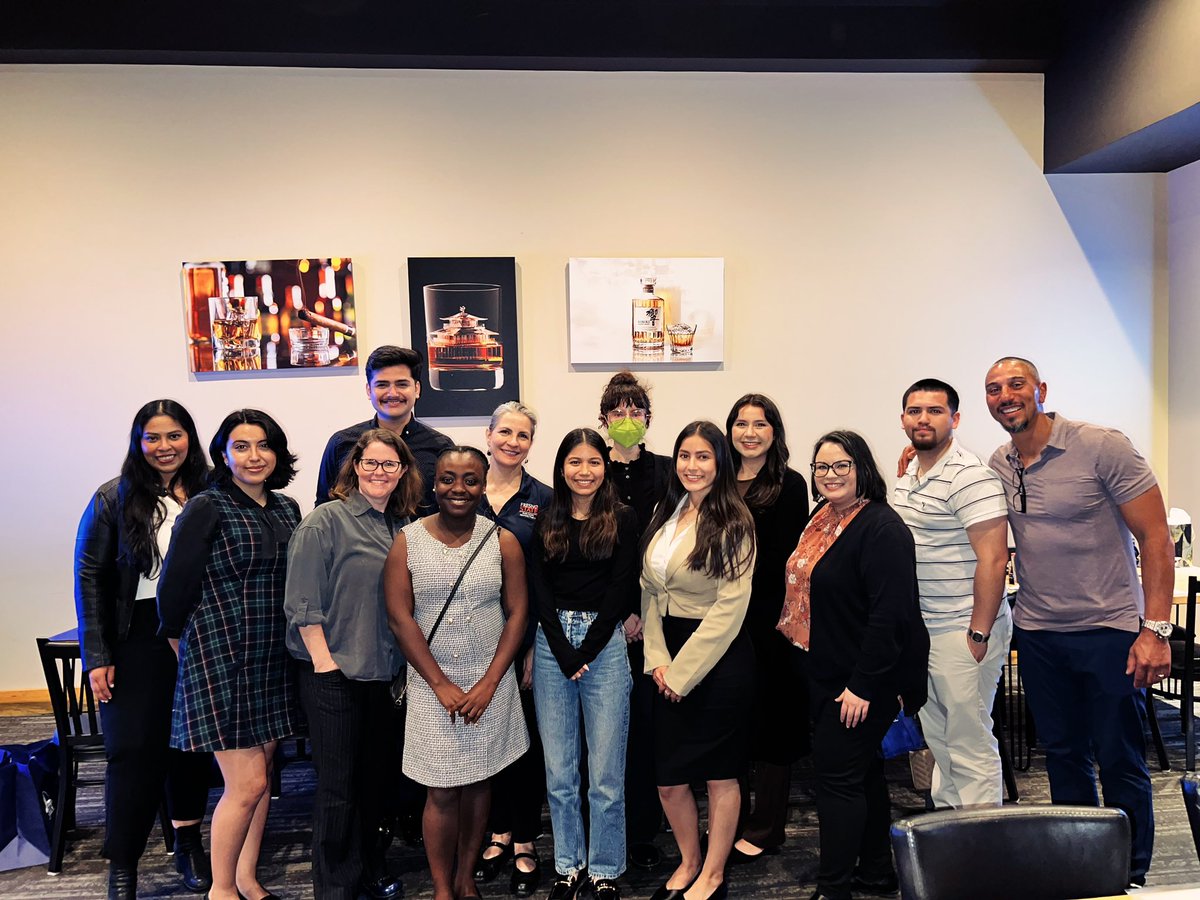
x=705 y=736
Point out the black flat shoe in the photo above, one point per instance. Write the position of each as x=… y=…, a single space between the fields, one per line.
x=486 y=869
x=122 y=883
x=888 y=884
x=605 y=889
x=523 y=884
x=645 y=856
x=386 y=887
x=565 y=887
x=666 y=893
x=738 y=858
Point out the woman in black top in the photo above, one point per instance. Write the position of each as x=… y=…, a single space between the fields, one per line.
x=852 y=604
x=516 y=499
x=778 y=500
x=640 y=478
x=583 y=564
x=118 y=556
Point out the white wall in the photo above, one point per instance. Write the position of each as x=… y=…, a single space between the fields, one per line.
x=1184 y=254
x=875 y=229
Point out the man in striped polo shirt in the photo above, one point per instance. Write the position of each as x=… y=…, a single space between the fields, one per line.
x=955 y=506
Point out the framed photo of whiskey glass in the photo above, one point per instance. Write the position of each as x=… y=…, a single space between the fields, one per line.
x=463 y=317
x=646 y=312
x=259 y=315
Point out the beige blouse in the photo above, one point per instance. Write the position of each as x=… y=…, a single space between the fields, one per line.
x=686 y=594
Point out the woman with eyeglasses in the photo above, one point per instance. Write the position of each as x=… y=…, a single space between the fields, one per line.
x=777 y=497
x=220 y=600
x=641 y=479
x=122 y=540
x=851 y=604
x=338 y=630
x=697 y=571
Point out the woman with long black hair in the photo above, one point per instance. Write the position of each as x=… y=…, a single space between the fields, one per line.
x=583 y=565
x=118 y=556
x=778 y=500
x=697 y=570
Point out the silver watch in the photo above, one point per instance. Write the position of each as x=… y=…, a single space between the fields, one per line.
x=1162 y=630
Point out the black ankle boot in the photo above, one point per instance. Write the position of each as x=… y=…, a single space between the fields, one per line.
x=191 y=862
x=122 y=882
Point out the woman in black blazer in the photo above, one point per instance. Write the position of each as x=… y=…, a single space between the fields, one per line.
x=852 y=605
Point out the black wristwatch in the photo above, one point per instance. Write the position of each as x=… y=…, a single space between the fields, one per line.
x=978 y=637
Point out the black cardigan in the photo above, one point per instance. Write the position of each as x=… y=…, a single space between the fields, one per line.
x=867 y=631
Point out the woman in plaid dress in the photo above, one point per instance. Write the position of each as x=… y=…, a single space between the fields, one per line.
x=220 y=601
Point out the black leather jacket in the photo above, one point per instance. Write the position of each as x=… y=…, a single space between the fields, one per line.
x=106 y=579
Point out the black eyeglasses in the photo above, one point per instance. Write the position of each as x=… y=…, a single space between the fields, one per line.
x=841 y=467
x=1019 y=499
x=391 y=466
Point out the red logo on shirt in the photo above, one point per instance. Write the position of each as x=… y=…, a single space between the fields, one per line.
x=529 y=510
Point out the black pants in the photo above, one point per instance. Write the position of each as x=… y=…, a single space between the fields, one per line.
x=346 y=724
x=762 y=823
x=137 y=730
x=643 y=811
x=519 y=791
x=853 y=808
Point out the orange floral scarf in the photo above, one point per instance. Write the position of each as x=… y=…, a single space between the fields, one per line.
x=825 y=527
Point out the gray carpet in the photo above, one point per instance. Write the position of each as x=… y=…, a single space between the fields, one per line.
x=787 y=876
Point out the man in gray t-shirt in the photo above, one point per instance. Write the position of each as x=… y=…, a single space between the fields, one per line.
x=1088 y=640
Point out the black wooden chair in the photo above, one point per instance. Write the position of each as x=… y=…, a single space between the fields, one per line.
x=1181 y=683
x=80 y=740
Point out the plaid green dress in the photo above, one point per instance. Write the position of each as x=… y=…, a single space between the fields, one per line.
x=221 y=592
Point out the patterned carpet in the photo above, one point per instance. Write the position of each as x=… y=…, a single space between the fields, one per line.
x=786 y=876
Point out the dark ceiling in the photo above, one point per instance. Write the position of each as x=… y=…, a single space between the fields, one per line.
x=712 y=35
x=1074 y=42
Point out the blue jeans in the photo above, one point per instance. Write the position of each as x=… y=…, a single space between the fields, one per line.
x=603 y=694
x=1087 y=711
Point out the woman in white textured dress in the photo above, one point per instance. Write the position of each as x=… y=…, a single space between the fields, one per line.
x=464 y=714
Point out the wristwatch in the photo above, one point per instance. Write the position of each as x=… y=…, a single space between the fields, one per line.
x=978 y=637
x=1162 y=630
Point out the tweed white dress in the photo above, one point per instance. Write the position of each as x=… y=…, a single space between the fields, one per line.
x=438 y=752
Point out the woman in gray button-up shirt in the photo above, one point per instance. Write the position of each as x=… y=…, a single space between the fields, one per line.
x=338 y=630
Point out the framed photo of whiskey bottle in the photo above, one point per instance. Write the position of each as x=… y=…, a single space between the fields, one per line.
x=646 y=311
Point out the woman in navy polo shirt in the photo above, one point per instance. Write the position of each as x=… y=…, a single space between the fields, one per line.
x=514 y=498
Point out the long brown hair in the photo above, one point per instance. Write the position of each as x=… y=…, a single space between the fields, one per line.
x=724 y=526
x=598 y=537
x=408 y=493
x=768 y=483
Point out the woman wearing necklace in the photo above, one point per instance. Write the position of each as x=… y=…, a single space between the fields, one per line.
x=337 y=630
x=220 y=599
x=122 y=540
x=640 y=478
x=584 y=562
x=516 y=500
x=778 y=500
x=851 y=604
x=455 y=589
x=697 y=570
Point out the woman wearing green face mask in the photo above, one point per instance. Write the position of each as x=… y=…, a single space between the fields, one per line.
x=640 y=478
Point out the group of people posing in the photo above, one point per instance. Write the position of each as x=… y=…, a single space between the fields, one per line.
x=643 y=625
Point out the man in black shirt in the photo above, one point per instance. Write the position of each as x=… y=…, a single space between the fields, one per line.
x=393 y=386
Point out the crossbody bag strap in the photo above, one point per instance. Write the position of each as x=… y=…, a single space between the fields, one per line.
x=461 y=575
